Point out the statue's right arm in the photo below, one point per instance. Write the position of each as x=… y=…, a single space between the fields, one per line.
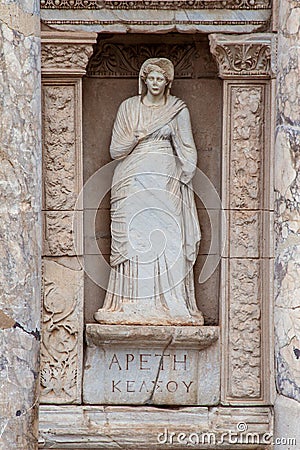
x=123 y=137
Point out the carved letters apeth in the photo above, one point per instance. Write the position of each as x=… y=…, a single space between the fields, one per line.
x=245 y=56
x=62 y=332
x=119 y=60
x=155 y=4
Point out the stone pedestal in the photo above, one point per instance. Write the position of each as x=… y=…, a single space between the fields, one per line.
x=151 y=365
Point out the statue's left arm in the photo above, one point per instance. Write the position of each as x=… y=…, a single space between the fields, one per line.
x=184 y=144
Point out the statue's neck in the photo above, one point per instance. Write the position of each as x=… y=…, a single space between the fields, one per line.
x=157 y=100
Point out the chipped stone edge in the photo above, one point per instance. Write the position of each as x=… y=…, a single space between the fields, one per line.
x=189 y=336
x=104 y=427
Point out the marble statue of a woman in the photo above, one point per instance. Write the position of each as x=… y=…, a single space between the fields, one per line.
x=154 y=224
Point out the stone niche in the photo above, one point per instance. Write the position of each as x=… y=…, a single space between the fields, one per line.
x=149 y=364
x=111 y=77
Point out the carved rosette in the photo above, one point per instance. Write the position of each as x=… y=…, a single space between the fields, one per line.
x=245 y=65
x=64 y=60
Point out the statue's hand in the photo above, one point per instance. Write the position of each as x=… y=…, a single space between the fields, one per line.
x=186 y=177
x=139 y=135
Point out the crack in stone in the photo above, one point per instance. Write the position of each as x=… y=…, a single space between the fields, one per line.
x=35 y=333
x=108 y=435
x=150 y=399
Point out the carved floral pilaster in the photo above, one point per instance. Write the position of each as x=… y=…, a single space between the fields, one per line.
x=245 y=65
x=64 y=60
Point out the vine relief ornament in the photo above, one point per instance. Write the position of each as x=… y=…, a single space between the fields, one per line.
x=155 y=4
x=61 y=333
x=245 y=291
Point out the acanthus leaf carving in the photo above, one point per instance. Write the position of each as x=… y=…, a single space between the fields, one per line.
x=242 y=57
x=66 y=56
x=119 y=60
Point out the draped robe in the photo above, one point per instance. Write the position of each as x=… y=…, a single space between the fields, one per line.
x=154 y=224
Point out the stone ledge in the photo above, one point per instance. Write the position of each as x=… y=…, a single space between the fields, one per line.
x=144 y=335
x=115 y=427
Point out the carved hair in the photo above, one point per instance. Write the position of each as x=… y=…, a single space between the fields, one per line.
x=151 y=68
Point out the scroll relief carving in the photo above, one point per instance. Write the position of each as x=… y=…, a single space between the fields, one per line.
x=247 y=143
x=60 y=351
x=59 y=147
x=244 y=333
x=238 y=59
x=245 y=329
x=155 y=4
x=65 y=56
x=60 y=228
x=118 y=60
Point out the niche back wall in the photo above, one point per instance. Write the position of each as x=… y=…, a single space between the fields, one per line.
x=112 y=76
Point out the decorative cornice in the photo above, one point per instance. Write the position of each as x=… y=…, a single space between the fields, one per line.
x=155 y=4
x=113 y=60
x=68 y=53
x=242 y=56
x=136 y=23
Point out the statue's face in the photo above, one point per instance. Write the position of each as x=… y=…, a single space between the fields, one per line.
x=156 y=83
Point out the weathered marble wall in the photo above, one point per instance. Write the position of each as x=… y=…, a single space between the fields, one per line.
x=287 y=219
x=20 y=236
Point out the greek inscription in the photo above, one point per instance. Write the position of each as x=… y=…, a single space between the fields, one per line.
x=132 y=386
x=144 y=361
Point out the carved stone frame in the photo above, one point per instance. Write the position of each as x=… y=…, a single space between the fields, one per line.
x=245 y=65
x=64 y=59
x=66 y=425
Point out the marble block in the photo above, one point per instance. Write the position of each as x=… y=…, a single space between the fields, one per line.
x=151 y=365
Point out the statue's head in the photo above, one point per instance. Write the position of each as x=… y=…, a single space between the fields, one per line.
x=160 y=65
